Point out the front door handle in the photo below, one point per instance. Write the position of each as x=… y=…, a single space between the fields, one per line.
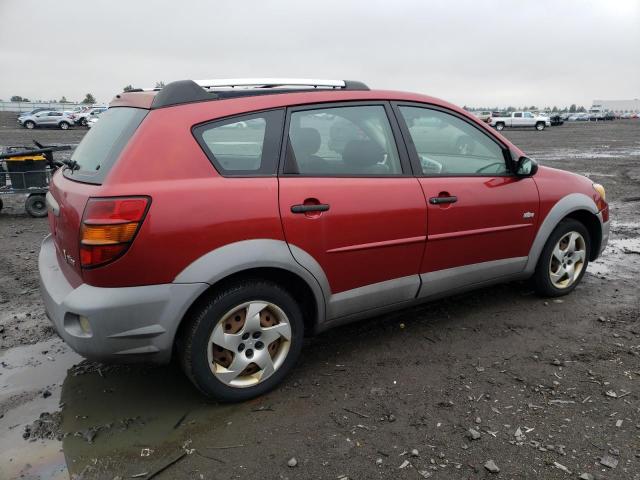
x=317 y=207
x=440 y=200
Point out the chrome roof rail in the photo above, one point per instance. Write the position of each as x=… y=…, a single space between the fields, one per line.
x=271 y=82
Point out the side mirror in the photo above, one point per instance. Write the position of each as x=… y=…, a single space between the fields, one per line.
x=526 y=167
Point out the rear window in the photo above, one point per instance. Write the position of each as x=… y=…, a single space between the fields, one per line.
x=101 y=146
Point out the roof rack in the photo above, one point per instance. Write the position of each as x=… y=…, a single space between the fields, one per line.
x=271 y=82
x=188 y=91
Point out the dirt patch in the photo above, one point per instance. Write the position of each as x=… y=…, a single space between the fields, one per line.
x=48 y=426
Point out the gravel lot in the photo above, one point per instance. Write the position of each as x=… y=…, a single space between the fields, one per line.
x=542 y=388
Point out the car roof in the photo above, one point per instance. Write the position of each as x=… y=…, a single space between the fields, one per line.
x=257 y=99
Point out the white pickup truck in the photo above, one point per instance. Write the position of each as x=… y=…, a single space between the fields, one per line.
x=521 y=120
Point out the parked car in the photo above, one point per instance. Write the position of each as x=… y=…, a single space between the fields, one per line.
x=93 y=119
x=556 y=120
x=484 y=116
x=32 y=112
x=82 y=117
x=175 y=234
x=579 y=117
x=47 y=118
x=521 y=120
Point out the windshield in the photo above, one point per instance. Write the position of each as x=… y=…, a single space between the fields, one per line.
x=101 y=146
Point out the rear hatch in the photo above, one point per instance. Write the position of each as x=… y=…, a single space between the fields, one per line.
x=73 y=186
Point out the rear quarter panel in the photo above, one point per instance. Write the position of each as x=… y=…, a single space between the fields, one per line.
x=193 y=209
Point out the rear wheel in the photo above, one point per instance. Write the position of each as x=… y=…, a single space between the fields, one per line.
x=540 y=126
x=564 y=259
x=36 y=206
x=242 y=341
x=84 y=121
x=1 y=204
x=499 y=126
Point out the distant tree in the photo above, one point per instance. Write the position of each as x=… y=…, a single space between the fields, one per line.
x=160 y=84
x=88 y=99
x=532 y=107
x=581 y=109
x=572 y=108
x=511 y=109
x=128 y=88
x=63 y=99
x=18 y=98
x=554 y=109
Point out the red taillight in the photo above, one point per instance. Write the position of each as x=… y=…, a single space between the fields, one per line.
x=109 y=225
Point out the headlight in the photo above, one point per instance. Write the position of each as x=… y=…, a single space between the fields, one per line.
x=600 y=189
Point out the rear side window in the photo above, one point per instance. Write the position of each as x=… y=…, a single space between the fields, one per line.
x=101 y=146
x=342 y=141
x=247 y=145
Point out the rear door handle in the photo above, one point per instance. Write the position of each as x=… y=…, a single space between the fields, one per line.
x=440 y=200
x=319 y=207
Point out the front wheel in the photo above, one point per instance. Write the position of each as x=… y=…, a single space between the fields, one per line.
x=564 y=259
x=499 y=126
x=242 y=341
x=29 y=124
x=540 y=126
x=64 y=126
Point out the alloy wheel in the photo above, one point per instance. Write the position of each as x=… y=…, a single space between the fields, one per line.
x=567 y=260
x=249 y=344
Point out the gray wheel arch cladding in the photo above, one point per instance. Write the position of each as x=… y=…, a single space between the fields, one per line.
x=245 y=255
x=565 y=206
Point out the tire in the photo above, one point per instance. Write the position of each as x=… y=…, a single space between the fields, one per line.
x=64 y=126
x=1 y=204
x=83 y=121
x=548 y=279
x=36 y=206
x=499 y=126
x=200 y=355
x=540 y=126
x=29 y=124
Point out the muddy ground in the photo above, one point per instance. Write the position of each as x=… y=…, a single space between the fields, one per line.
x=550 y=388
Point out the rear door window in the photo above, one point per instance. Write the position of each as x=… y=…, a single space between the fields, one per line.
x=246 y=145
x=101 y=146
x=342 y=141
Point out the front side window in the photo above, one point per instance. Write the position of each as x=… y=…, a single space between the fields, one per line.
x=517 y=115
x=247 y=145
x=449 y=146
x=342 y=141
x=528 y=115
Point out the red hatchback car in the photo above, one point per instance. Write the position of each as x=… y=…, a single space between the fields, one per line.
x=220 y=221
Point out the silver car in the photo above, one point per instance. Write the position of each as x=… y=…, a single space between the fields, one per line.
x=48 y=118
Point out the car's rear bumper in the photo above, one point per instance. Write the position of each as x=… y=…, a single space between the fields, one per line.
x=125 y=324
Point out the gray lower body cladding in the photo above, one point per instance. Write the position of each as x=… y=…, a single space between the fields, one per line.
x=120 y=324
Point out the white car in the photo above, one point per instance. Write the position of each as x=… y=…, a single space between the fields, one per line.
x=82 y=118
x=521 y=120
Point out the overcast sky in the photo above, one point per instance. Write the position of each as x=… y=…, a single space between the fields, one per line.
x=489 y=52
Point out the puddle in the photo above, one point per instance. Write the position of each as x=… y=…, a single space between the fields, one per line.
x=621 y=259
x=575 y=153
x=110 y=413
x=25 y=372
